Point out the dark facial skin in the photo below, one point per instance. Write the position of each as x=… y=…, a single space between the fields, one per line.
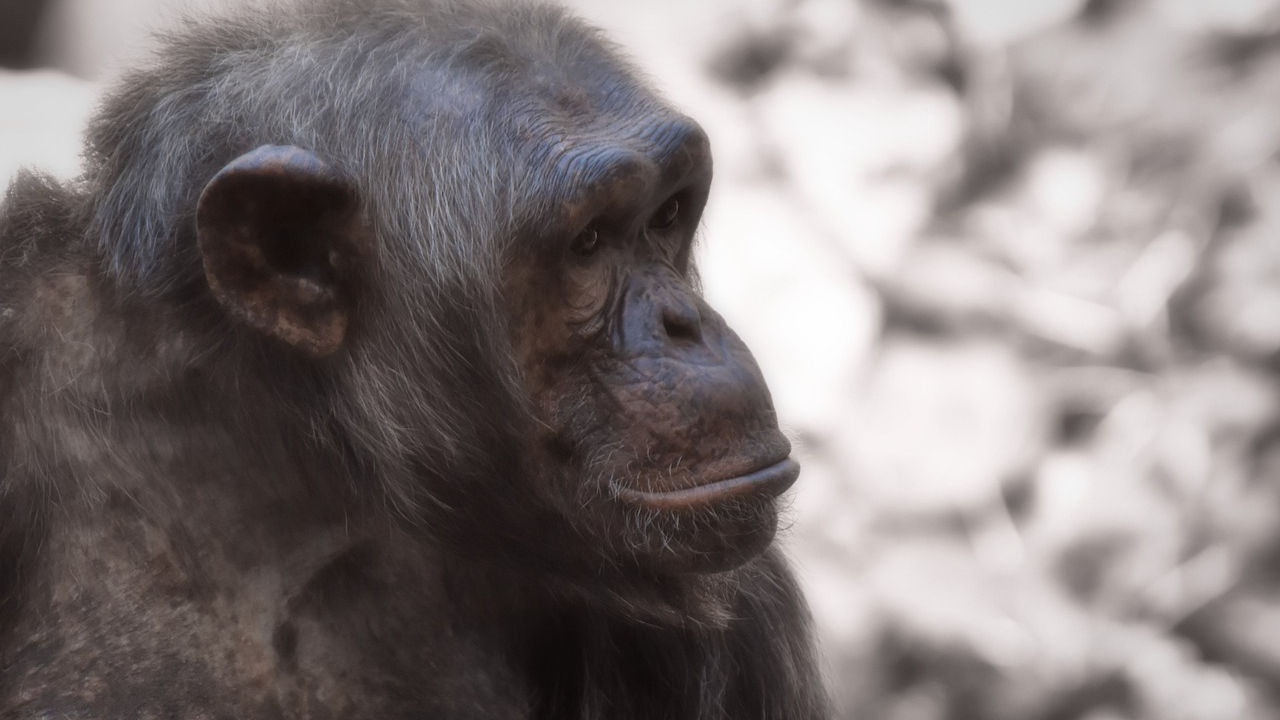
x=652 y=405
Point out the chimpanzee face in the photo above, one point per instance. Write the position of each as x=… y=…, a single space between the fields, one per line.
x=652 y=411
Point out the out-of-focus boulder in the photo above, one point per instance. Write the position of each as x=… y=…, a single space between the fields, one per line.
x=42 y=115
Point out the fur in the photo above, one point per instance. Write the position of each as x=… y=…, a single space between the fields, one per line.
x=196 y=524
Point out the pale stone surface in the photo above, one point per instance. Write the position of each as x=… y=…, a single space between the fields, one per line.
x=41 y=117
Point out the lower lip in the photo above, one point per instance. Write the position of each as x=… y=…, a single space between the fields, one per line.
x=772 y=480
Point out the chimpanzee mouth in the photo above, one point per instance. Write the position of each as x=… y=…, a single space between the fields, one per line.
x=771 y=480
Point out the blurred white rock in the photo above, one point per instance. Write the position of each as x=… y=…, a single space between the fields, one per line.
x=1235 y=16
x=999 y=22
x=853 y=153
x=42 y=116
x=940 y=427
x=826 y=26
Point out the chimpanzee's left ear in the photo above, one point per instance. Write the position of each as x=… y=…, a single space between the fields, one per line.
x=283 y=244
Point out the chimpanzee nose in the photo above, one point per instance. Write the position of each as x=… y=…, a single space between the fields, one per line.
x=681 y=320
x=662 y=316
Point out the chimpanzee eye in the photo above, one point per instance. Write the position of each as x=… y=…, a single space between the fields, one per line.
x=587 y=241
x=666 y=215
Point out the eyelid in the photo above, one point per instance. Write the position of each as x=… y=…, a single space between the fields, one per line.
x=667 y=214
x=587 y=241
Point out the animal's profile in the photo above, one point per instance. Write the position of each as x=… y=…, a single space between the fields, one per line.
x=364 y=374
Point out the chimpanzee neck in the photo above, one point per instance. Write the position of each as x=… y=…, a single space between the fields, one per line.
x=197 y=536
x=154 y=436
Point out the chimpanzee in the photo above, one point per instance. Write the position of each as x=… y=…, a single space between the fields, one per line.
x=364 y=374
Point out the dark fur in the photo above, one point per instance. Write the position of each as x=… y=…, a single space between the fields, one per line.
x=195 y=524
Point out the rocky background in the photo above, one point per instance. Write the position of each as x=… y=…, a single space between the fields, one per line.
x=1013 y=269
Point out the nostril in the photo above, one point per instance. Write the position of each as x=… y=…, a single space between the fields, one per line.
x=682 y=322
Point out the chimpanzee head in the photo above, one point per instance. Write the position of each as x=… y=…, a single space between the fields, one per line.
x=464 y=249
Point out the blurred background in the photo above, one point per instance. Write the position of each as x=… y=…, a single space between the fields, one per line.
x=1012 y=268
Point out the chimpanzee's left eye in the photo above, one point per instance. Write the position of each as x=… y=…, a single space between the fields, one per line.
x=587 y=241
x=666 y=215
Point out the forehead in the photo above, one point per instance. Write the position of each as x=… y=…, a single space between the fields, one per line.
x=576 y=127
x=554 y=111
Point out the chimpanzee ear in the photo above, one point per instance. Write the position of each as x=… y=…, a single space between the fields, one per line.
x=283 y=244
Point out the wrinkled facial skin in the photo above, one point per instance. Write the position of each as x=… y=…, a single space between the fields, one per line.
x=655 y=417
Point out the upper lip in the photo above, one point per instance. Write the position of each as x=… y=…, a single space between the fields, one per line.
x=772 y=479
